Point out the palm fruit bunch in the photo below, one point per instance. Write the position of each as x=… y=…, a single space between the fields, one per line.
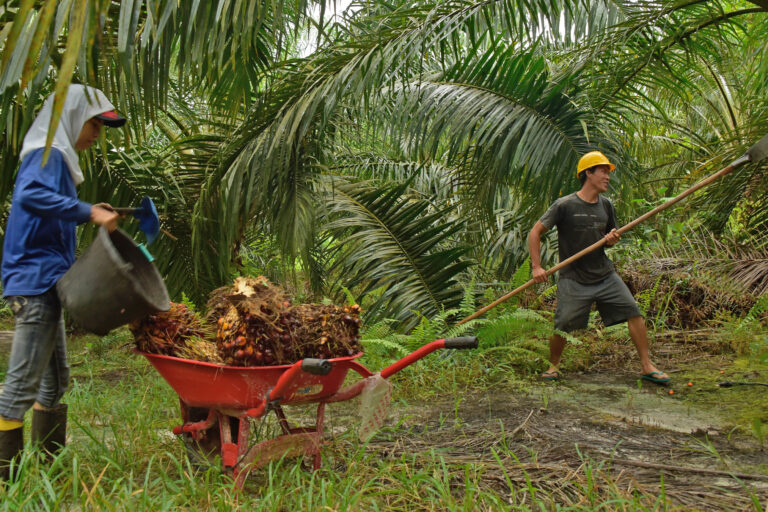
x=257 y=325
x=324 y=332
x=177 y=332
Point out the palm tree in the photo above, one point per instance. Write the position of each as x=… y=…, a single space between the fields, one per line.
x=415 y=137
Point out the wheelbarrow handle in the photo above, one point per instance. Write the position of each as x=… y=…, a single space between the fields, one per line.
x=288 y=377
x=357 y=388
x=465 y=342
x=462 y=342
x=316 y=366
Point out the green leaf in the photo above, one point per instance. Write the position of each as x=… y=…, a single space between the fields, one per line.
x=77 y=24
x=41 y=34
x=19 y=21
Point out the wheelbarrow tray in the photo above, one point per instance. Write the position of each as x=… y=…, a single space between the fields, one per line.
x=201 y=384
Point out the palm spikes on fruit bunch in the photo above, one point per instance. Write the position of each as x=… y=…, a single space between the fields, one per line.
x=177 y=332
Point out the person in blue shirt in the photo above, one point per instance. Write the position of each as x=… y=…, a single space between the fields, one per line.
x=39 y=247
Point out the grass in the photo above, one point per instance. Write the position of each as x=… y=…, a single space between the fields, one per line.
x=123 y=457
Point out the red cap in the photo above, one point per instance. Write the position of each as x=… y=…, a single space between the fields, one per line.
x=112 y=118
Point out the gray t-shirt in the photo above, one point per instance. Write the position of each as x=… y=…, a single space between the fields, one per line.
x=579 y=225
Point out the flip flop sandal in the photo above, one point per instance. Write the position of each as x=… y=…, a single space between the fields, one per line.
x=555 y=375
x=656 y=380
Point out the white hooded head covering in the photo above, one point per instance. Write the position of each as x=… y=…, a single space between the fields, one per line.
x=82 y=103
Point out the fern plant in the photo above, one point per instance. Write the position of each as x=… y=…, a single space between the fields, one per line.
x=439 y=326
x=750 y=328
x=380 y=339
x=507 y=330
x=645 y=298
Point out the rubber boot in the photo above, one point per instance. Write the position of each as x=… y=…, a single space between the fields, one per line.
x=49 y=428
x=11 y=444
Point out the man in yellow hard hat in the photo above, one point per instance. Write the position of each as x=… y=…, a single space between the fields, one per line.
x=583 y=218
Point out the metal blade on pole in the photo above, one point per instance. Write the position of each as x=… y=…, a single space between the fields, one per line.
x=753 y=155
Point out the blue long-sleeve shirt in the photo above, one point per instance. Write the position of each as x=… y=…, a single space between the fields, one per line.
x=40 y=237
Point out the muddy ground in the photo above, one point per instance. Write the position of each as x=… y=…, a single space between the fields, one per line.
x=630 y=445
x=629 y=435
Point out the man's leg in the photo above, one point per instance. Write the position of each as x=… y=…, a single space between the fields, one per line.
x=574 y=301
x=556 y=347
x=639 y=335
x=616 y=305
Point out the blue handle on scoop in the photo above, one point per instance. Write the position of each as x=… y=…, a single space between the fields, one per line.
x=146 y=214
x=149 y=222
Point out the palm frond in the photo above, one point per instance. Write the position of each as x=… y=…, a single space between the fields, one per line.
x=132 y=49
x=391 y=244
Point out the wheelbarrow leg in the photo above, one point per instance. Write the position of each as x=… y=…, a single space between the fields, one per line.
x=319 y=429
x=242 y=437
x=184 y=410
x=232 y=452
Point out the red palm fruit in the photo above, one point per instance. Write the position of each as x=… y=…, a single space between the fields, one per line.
x=240 y=354
x=240 y=341
x=248 y=350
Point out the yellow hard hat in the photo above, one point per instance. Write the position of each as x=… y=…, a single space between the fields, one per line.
x=592 y=159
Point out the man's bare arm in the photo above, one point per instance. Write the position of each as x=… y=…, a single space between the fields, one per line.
x=534 y=246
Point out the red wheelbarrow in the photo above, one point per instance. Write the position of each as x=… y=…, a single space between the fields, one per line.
x=233 y=396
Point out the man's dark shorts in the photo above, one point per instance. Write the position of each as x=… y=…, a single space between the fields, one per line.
x=574 y=302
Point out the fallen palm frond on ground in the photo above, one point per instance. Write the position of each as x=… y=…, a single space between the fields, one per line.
x=680 y=293
x=699 y=279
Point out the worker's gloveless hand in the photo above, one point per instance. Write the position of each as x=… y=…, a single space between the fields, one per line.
x=109 y=207
x=539 y=275
x=103 y=217
x=612 y=238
